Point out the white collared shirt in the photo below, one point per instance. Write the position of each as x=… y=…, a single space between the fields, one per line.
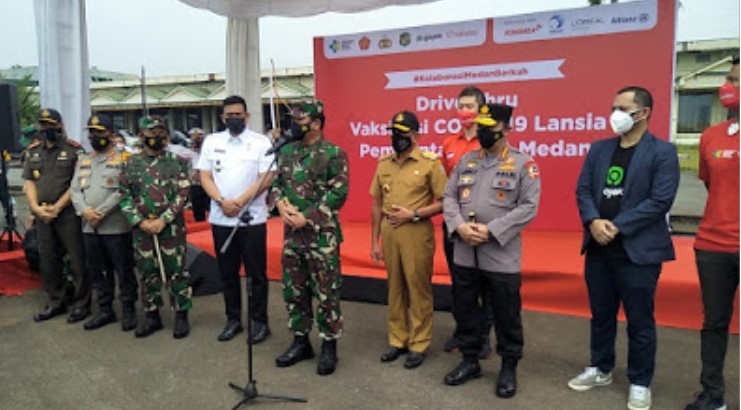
x=235 y=163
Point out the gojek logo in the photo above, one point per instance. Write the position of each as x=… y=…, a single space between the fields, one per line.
x=615 y=175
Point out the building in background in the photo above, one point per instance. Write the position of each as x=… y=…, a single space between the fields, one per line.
x=195 y=101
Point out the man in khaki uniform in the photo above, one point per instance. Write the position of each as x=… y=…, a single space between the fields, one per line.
x=407 y=191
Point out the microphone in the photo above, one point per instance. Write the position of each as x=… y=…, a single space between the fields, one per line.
x=279 y=143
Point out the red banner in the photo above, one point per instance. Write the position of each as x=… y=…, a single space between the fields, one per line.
x=560 y=69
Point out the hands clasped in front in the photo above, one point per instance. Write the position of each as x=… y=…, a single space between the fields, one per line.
x=473 y=233
x=291 y=215
x=603 y=231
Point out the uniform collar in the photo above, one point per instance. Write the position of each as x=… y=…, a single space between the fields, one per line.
x=501 y=156
x=416 y=154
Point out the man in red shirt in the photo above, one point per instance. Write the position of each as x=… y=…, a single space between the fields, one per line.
x=717 y=243
x=454 y=148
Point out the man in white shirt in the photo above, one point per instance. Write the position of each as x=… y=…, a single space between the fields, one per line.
x=234 y=168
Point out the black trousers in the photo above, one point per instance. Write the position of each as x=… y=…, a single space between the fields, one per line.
x=470 y=313
x=63 y=236
x=106 y=254
x=199 y=202
x=448 y=247
x=249 y=247
x=611 y=281
x=718 y=273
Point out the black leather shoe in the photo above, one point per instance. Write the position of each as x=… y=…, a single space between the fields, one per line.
x=467 y=370
x=103 y=318
x=231 y=329
x=328 y=358
x=152 y=323
x=414 y=359
x=128 y=322
x=507 y=380
x=392 y=353
x=299 y=350
x=260 y=332
x=182 y=327
x=78 y=314
x=49 y=312
x=451 y=345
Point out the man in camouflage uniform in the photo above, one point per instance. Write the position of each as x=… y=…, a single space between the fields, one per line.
x=106 y=232
x=309 y=189
x=154 y=189
x=47 y=171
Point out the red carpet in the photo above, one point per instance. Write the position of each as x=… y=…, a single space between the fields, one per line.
x=553 y=278
x=552 y=273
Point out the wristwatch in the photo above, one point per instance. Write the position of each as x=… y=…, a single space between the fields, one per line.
x=416 y=216
x=219 y=201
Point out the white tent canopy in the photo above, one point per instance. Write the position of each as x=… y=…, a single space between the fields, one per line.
x=63 y=55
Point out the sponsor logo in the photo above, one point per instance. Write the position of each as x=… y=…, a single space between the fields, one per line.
x=522 y=31
x=461 y=33
x=385 y=43
x=585 y=23
x=641 y=18
x=556 y=22
x=334 y=46
x=364 y=43
x=405 y=39
x=346 y=45
x=423 y=38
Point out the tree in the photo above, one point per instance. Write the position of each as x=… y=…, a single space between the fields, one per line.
x=28 y=105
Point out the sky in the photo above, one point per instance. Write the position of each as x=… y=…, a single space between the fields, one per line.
x=172 y=38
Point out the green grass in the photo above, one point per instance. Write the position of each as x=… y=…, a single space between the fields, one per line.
x=688 y=157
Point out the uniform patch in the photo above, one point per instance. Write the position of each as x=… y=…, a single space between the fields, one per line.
x=506 y=168
x=510 y=160
x=503 y=183
x=83 y=183
x=86 y=162
x=471 y=164
x=532 y=170
x=465 y=193
x=501 y=196
x=506 y=174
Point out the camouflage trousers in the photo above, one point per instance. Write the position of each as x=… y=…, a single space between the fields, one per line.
x=172 y=249
x=312 y=269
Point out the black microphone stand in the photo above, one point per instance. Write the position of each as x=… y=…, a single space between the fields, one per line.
x=249 y=391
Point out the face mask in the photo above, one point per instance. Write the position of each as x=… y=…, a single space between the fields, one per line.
x=729 y=96
x=299 y=131
x=488 y=137
x=120 y=146
x=155 y=143
x=400 y=143
x=99 y=143
x=51 y=134
x=622 y=122
x=466 y=118
x=235 y=125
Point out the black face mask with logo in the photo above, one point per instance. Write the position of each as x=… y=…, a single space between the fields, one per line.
x=488 y=137
x=155 y=143
x=298 y=131
x=99 y=143
x=400 y=142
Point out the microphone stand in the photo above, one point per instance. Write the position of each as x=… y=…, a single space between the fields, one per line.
x=249 y=391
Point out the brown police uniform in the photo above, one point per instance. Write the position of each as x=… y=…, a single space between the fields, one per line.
x=51 y=170
x=409 y=249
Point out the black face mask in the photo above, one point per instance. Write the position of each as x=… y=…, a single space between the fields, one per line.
x=400 y=143
x=99 y=143
x=488 y=137
x=299 y=131
x=235 y=125
x=155 y=143
x=52 y=134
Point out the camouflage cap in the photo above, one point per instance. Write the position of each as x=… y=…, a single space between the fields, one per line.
x=50 y=116
x=151 y=121
x=310 y=109
x=100 y=123
x=404 y=121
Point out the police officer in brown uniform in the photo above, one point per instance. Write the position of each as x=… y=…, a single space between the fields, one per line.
x=47 y=171
x=407 y=189
x=493 y=193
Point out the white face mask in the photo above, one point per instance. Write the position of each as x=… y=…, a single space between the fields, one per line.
x=622 y=122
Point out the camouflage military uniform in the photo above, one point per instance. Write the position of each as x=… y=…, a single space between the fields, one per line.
x=314 y=179
x=157 y=187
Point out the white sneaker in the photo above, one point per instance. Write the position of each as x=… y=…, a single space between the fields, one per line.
x=590 y=377
x=639 y=398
